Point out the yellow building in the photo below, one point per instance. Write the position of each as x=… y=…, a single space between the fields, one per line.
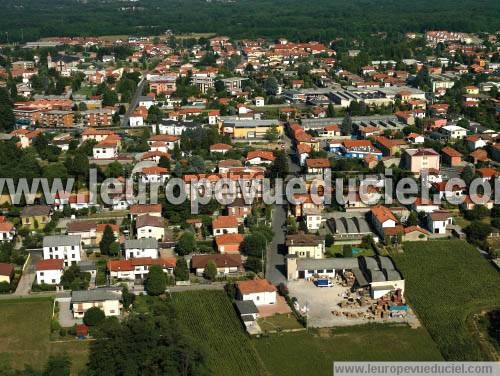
x=250 y=128
x=35 y=216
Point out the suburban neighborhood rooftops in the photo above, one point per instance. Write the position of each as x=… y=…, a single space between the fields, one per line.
x=255 y=286
x=97 y=295
x=145 y=243
x=35 y=210
x=303 y=240
x=221 y=260
x=51 y=264
x=61 y=240
x=246 y=307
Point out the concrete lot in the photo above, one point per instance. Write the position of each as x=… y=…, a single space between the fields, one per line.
x=280 y=307
x=321 y=301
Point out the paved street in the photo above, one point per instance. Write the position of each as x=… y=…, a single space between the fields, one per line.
x=134 y=102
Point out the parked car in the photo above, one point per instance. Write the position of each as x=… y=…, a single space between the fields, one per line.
x=323 y=283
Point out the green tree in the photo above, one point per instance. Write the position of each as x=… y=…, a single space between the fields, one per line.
x=271 y=86
x=186 y=244
x=347 y=250
x=330 y=112
x=57 y=365
x=272 y=134
x=254 y=244
x=156 y=282
x=412 y=219
x=279 y=167
x=108 y=238
x=181 y=271
x=93 y=316
x=210 y=271
x=346 y=126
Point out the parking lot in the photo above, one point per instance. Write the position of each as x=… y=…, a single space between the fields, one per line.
x=323 y=301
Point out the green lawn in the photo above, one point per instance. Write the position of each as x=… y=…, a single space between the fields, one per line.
x=279 y=322
x=446 y=282
x=25 y=332
x=303 y=353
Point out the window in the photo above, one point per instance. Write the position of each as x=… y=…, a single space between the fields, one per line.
x=41 y=274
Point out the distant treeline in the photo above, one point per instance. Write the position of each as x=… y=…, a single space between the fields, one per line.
x=25 y=20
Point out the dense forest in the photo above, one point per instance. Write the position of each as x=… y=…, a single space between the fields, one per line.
x=24 y=20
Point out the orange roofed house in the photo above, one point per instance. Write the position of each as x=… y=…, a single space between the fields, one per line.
x=260 y=291
x=229 y=243
x=225 y=224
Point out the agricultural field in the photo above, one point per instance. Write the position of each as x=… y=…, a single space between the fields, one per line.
x=313 y=353
x=447 y=281
x=25 y=334
x=211 y=320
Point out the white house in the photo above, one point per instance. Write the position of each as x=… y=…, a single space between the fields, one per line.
x=382 y=218
x=260 y=157
x=225 y=224
x=438 y=221
x=226 y=264
x=7 y=230
x=138 y=268
x=475 y=142
x=63 y=247
x=136 y=121
x=260 y=291
x=154 y=174
x=107 y=300
x=149 y=226
x=453 y=131
x=313 y=219
x=49 y=272
x=146 y=247
x=259 y=101
x=106 y=149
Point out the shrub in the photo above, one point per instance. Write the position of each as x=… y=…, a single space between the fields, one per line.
x=93 y=316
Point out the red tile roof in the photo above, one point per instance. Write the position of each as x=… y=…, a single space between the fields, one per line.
x=6 y=269
x=53 y=264
x=262 y=154
x=255 y=286
x=382 y=214
x=318 y=163
x=225 y=221
x=227 y=239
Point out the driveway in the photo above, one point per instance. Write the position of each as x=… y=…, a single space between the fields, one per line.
x=66 y=318
x=29 y=274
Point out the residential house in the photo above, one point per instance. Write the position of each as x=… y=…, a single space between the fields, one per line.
x=49 y=272
x=85 y=229
x=260 y=291
x=453 y=132
x=7 y=230
x=415 y=233
x=451 y=157
x=438 y=221
x=382 y=218
x=145 y=247
x=137 y=269
x=390 y=147
x=63 y=247
x=317 y=166
x=106 y=149
x=424 y=205
x=105 y=299
x=225 y=224
x=475 y=142
x=359 y=149
x=229 y=243
x=149 y=226
x=220 y=148
x=305 y=245
x=226 y=263
x=260 y=157
x=415 y=138
x=35 y=216
x=239 y=209
x=138 y=210
x=154 y=175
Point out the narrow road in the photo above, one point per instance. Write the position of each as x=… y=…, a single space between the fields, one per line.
x=275 y=260
x=29 y=274
x=134 y=102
